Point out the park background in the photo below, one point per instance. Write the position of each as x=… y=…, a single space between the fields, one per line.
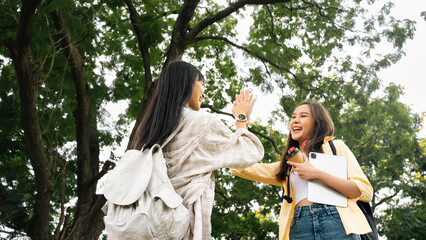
x=76 y=75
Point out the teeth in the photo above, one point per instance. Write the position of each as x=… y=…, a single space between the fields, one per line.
x=297 y=129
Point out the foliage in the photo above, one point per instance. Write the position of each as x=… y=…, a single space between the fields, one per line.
x=405 y=222
x=55 y=151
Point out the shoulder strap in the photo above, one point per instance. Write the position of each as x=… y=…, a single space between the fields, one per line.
x=333 y=148
x=185 y=117
x=287 y=197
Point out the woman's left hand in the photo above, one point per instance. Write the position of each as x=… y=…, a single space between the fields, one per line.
x=305 y=170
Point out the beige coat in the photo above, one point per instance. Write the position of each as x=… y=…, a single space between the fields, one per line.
x=203 y=145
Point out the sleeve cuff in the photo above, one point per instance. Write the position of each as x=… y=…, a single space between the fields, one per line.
x=241 y=130
x=365 y=196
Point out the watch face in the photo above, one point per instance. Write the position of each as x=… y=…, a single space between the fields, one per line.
x=242 y=117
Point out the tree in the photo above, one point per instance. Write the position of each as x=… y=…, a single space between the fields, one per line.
x=55 y=56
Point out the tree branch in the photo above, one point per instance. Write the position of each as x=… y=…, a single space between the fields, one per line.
x=322 y=14
x=262 y=58
x=226 y=12
x=57 y=99
x=301 y=83
x=270 y=139
x=62 y=216
x=362 y=145
x=383 y=200
x=256 y=55
x=222 y=193
x=105 y=169
x=370 y=148
x=142 y=45
x=216 y=110
x=65 y=224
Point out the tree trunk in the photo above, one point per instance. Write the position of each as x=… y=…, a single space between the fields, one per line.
x=38 y=226
x=179 y=42
x=88 y=211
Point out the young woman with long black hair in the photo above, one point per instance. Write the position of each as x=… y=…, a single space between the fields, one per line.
x=311 y=129
x=203 y=145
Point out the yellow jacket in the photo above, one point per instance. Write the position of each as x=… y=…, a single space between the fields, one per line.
x=352 y=218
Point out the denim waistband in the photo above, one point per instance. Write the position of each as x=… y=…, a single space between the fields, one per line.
x=314 y=209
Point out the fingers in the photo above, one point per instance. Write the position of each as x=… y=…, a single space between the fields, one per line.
x=251 y=97
x=246 y=93
x=294 y=165
x=251 y=104
x=239 y=97
x=244 y=103
x=244 y=96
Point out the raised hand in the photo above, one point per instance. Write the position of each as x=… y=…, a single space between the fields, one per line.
x=243 y=104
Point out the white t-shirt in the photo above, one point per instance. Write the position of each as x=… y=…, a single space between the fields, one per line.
x=300 y=187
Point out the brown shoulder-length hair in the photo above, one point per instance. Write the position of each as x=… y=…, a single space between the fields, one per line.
x=173 y=91
x=323 y=127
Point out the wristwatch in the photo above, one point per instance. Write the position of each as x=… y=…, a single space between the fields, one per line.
x=241 y=118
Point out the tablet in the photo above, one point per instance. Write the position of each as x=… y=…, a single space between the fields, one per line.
x=321 y=193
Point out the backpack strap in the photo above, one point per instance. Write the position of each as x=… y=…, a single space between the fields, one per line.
x=333 y=148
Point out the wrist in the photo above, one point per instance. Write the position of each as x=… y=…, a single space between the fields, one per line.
x=318 y=175
x=241 y=124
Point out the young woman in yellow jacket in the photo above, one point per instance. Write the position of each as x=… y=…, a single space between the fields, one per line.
x=310 y=126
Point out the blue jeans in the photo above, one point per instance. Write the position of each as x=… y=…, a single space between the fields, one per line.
x=318 y=222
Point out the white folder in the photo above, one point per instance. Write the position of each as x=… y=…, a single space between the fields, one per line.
x=319 y=192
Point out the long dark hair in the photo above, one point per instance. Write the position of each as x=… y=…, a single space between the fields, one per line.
x=323 y=127
x=173 y=91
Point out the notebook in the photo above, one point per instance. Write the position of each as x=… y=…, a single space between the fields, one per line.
x=319 y=192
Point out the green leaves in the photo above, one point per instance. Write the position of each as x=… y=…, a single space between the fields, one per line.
x=405 y=221
x=238 y=216
x=400 y=32
x=297 y=50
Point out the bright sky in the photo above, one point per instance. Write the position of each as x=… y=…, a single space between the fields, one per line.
x=409 y=72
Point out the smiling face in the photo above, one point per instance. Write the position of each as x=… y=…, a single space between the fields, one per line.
x=302 y=124
x=197 y=96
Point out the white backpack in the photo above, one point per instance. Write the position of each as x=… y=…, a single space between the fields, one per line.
x=141 y=202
